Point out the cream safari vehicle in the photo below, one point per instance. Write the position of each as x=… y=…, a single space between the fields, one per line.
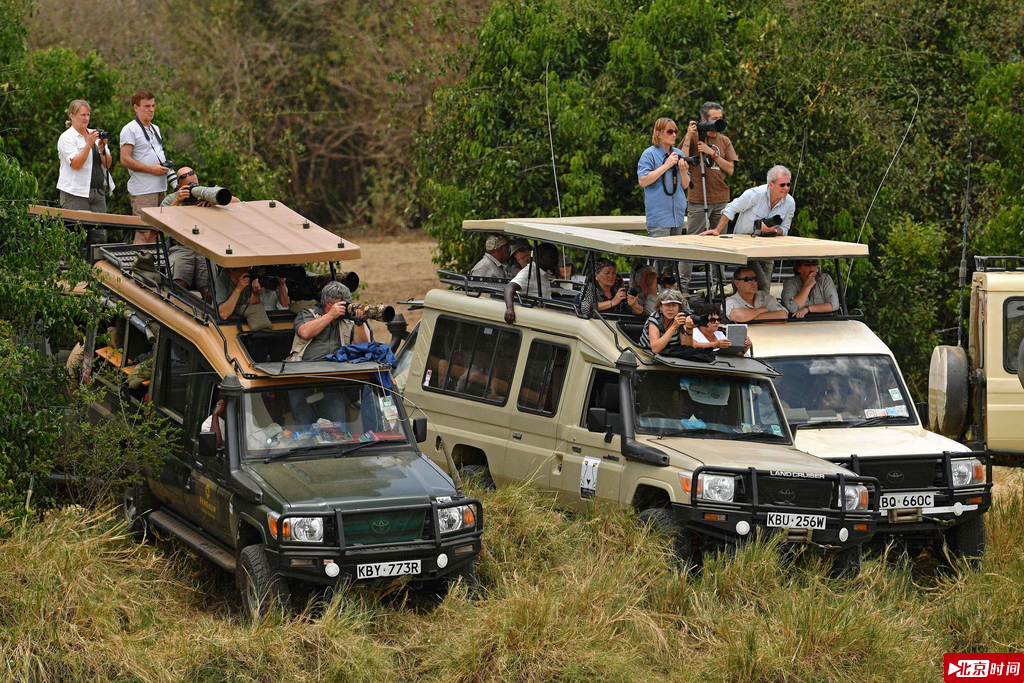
x=572 y=403
x=846 y=401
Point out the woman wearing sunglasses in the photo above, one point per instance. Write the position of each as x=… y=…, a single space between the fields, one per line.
x=665 y=178
x=710 y=336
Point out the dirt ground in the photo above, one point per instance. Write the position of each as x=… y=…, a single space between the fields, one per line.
x=392 y=270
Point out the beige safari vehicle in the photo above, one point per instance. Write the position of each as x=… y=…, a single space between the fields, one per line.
x=846 y=401
x=312 y=475
x=575 y=406
x=977 y=395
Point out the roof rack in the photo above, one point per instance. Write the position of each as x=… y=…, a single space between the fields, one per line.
x=476 y=286
x=997 y=264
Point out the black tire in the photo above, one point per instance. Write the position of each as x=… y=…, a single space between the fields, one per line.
x=480 y=473
x=263 y=592
x=468 y=576
x=846 y=562
x=137 y=503
x=967 y=541
x=665 y=521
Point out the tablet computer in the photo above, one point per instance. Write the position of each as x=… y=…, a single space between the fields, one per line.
x=737 y=335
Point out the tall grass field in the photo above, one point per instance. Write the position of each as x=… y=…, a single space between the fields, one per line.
x=565 y=598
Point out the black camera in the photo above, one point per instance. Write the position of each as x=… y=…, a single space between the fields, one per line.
x=692 y=161
x=634 y=290
x=705 y=127
x=701 y=320
x=666 y=280
x=102 y=134
x=768 y=222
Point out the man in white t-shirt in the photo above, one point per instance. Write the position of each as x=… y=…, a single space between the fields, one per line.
x=749 y=302
x=534 y=278
x=143 y=154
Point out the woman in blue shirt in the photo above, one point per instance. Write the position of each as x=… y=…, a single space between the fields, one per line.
x=665 y=178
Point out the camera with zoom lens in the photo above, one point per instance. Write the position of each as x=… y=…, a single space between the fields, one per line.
x=701 y=320
x=705 y=127
x=380 y=312
x=634 y=290
x=103 y=134
x=214 y=195
x=692 y=161
x=768 y=222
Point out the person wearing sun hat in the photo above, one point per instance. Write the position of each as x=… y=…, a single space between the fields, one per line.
x=492 y=264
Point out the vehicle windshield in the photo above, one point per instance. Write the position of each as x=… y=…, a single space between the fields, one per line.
x=707 y=406
x=842 y=391
x=326 y=417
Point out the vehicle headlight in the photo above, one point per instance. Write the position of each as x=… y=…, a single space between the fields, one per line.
x=303 y=529
x=717 y=487
x=967 y=472
x=456 y=518
x=856 y=497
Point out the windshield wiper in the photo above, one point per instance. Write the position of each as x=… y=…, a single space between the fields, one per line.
x=814 y=424
x=318 y=447
x=755 y=436
x=878 y=419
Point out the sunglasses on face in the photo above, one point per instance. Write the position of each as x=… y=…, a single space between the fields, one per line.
x=671 y=131
x=783 y=184
x=749 y=278
x=811 y=264
x=714 y=320
x=182 y=177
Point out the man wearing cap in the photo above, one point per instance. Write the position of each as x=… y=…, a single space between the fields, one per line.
x=809 y=291
x=521 y=252
x=749 y=302
x=493 y=262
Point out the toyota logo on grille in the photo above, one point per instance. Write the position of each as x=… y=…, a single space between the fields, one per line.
x=894 y=476
x=380 y=526
x=787 y=495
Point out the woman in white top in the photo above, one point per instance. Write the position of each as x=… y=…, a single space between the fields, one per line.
x=84 y=162
x=709 y=336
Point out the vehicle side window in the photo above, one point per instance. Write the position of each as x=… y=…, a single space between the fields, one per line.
x=604 y=393
x=471 y=360
x=1013 y=332
x=543 y=378
x=177 y=364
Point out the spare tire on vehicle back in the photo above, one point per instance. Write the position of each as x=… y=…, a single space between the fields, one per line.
x=948 y=391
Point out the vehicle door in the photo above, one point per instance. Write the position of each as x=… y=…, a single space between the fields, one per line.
x=171 y=395
x=463 y=386
x=591 y=463
x=1004 y=396
x=532 y=446
x=207 y=494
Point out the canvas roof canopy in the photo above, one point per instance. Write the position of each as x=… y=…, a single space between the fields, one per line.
x=617 y=223
x=781 y=247
x=250 y=234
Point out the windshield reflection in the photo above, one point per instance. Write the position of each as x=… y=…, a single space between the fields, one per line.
x=840 y=390
x=682 y=404
x=283 y=419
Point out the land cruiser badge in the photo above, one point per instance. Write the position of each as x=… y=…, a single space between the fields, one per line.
x=588 y=478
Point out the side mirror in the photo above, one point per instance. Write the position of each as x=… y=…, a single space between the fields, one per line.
x=207 y=444
x=597 y=420
x=922 y=412
x=419 y=429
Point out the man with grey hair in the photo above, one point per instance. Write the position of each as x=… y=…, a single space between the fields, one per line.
x=763 y=201
x=493 y=262
x=322 y=330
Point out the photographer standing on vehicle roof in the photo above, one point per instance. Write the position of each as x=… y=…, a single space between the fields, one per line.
x=188 y=268
x=321 y=331
x=84 y=179
x=143 y=154
x=757 y=203
x=662 y=173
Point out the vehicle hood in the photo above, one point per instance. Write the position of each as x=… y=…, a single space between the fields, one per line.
x=839 y=442
x=364 y=481
x=742 y=454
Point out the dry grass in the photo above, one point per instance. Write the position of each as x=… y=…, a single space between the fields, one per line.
x=566 y=598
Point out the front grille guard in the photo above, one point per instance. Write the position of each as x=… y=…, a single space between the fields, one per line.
x=754 y=507
x=435 y=541
x=853 y=463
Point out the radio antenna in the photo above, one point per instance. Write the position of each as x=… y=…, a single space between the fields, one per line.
x=963 y=254
x=551 y=141
x=878 y=189
x=799 y=165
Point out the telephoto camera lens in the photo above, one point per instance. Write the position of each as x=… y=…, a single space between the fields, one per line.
x=705 y=127
x=213 y=195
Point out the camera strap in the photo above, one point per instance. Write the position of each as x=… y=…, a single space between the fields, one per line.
x=159 y=139
x=675 y=178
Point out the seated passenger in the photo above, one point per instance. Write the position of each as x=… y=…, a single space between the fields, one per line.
x=566 y=268
x=668 y=327
x=534 y=278
x=321 y=331
x=611 y=295
x=188 y=268
x=646 y=278
x=493 y=262
x=521 y=252
x=749 y=302
x=809 y=291
x=710 y=336
x=239 y=294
